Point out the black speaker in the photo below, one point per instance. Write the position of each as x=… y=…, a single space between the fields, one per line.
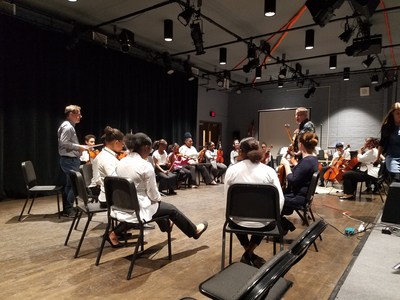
x=391 y=210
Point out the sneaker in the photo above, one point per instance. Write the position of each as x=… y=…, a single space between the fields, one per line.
x=246 y=259
x=69 y=213
x=213 y=183
x=321 y=184
x=257 y=260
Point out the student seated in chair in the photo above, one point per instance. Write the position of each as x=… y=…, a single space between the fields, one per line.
x=250 y=170
x=299 y=177
x=136 y=167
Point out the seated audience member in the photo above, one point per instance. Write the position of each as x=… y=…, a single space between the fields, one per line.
x=167 y=179
x=235 y=152
x=299 y=177
x=367 y=171
x=217 y=169
x=250 y=170
x=178 y=163
x=267 y=157
x=136 y=167
x=340 y=154
x=187 y=150
x=107 y=159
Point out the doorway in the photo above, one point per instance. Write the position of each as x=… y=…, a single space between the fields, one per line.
x=209 y=131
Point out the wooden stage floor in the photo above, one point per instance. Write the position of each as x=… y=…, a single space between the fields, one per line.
x=35 y=264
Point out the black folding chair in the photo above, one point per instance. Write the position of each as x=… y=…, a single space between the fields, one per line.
x=121 y=195
x=32 y=188
x=252 y=203
x=85 y=206
x=242 y=281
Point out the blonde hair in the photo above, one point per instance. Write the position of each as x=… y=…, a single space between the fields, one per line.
x=71 y=108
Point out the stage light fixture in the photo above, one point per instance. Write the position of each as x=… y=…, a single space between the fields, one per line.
x=298 y=68
x=384 y=85
x=220 y=82
x=309 y=43
x=252 y=64
x=251 y=51
x=280 y=83
x=346 y=35
x=168 y=30
x=197 y=37
x=269 y=8
x=323 y=10
x=310 y=92
x=346 y=74
x=258 y=72
x=185 y=16
x=167 y=63
x=222 y=56
x=332 y=62
x=368 y=61
x=282 y=73
x=374 y=79
x=126 y=40
x=188 y=69
x=239 y=90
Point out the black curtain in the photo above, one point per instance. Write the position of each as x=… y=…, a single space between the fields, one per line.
x=40 y=75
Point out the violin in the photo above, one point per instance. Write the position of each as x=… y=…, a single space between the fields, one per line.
x=220 y=155
x=267 y=154
x=93 y=153
x=122 y=154
x=201 y=156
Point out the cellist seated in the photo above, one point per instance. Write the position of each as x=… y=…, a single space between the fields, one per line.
x=339 y=159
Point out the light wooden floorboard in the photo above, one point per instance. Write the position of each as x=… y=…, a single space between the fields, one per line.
x=35 y=264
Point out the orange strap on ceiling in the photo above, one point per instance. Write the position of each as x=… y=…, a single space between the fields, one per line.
x=389 y=34
x=288 y=25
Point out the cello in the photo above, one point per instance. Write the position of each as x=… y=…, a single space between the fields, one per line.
x=336 y=170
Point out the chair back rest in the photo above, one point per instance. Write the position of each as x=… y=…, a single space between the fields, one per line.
x=29 y=174
x=301 y=244
x=121 y=194
x=311 y=189
x=79 y=187
x=253 y=202
x=87 y=173
x=269 y=274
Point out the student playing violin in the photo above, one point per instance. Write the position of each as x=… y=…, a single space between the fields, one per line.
x=89 y=154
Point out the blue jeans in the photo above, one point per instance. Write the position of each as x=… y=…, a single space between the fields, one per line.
x=69 y=164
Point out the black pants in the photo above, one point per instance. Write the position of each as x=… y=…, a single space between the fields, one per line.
x=351 y=178
x=255 y=239
x=173 y=214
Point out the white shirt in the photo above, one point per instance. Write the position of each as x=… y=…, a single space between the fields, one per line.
x=346 y=156
x=234 y=156
x=367 y=162
x=161 y=158
x=142 y=173
x=257 y=173
x=106 y=162
x=190 y=152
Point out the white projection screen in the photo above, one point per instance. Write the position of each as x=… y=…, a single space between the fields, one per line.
x=271 y=127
